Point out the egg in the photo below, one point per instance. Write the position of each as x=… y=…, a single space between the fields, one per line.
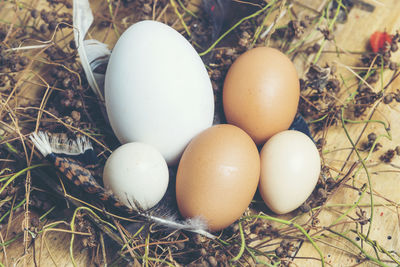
x=217 y=176
x=290 y=167
x=261 y=93
x=157 y=90
x=137 y=174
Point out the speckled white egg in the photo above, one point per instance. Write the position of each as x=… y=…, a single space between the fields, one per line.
x=157 y=90
x=290 y=167
x=136 y=173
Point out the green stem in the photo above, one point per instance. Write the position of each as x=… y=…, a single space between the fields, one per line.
x=352 y=207
x=242 y=245
x=71 y=246
x=387 y=129
x=173 y=4
x=330 y=28
x=311 y=34
x=134 y=235
x=146 y=250
x=365 y=168
x=20 y=234
x=258 y=261
x=186 y=9
x=47 y=213
x=260 y=28
x=112 y=17
x=301 y=229
x=16 y=207
x=375 y=244
x=12 y=178
x=317 y=120
x=360 y=248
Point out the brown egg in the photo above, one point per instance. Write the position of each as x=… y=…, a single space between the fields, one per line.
x=261 y=93
x=218 y=176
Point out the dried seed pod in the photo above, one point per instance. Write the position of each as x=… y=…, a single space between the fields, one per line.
x=23 y=61
x=69 y=93
x=68 y=120
x=104 y=24
x=303 y=85
x=280 y=252
x=203 y=252
x=285 y=244
x=43 y=15
x=309 y=50
x=321 y=193
x=66 y=82
x=35 y=221
x=305 y=207
x=213 y=262
x=388 y=99
x=397 y=97
x=373 y=78
x=330 y=182
x=197 y=239
x=72 y=44
x=52 y=25
x=220 y=257
x=394 y=47
x=388 y=156
x=66 y=102
x=216 y=75
x=392 y=65
x=76 y=116
x=372 y=137
x=78 y=104
x=60 y=74
x=78 y=87
x=180 y=245
x=34 y=13
x=333 y=84
x=44 y=28
x=316 y=47
x=147 y=9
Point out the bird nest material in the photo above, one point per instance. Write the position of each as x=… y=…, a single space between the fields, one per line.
x=347 y=98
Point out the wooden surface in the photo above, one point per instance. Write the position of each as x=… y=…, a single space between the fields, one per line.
x=350 y=37
x=354 y=36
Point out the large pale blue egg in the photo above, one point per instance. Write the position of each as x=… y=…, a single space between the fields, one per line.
x=157 y=89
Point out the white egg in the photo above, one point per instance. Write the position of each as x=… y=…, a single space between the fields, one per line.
x=157 y=89
x=136 y=173
x=290 y=167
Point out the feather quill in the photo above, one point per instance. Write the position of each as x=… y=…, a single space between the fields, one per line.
x=92 y=53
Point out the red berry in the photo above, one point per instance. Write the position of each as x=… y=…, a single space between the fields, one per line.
x=378 y=40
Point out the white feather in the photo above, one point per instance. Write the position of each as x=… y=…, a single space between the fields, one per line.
x=54 y=144
x=97 y=53
x=195 y=225
x=91 y=52
x=41 y=142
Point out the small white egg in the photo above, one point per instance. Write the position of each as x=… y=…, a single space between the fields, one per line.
x=136 y=173
x=290 y=167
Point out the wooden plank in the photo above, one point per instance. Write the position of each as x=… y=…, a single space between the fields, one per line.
x=53 y=251
x=385 y=229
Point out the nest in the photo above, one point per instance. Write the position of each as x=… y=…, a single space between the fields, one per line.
x=44 y=87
